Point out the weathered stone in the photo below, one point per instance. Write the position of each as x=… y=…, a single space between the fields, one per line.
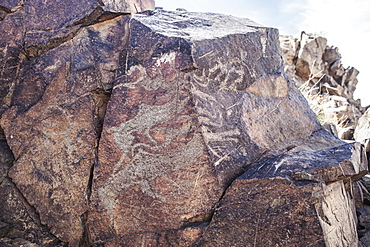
x=181 y=237
x=289 y=49
x=365 y=240
x=331 y=55
x=265 y=212
x=310 y=59
x=364 y=216
x=127 y=6
x=197 y=100
x=362 y=132
x=56 y=186
x=6 y=157
x=349 y=80
x=9 y=6
x=55 y=82
x=31 y=28
x=366 y=181
x=327 y=85
x=54 y=123
x=17 y=218
x=291 y=200
x=10 y=49
x=327 y=165
x=338 y=217
x=198 y=96
x=362 y=135
x=309 y=63
x=22 y=219
x=331 y=128
x=343 y=114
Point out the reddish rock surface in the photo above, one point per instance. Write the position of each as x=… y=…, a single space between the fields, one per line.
x=56 y=106
x=34 y=27
x=194 y=101
x=292 y=200
x=156 y=129
x=265 y=212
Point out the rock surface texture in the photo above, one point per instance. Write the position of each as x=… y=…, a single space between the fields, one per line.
x=362 y=135
x=161 y=129
x=58 y=65
x=362 y=132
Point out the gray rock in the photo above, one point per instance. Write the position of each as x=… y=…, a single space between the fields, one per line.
x=329 y=87
x=365 y=240
x=362 y=132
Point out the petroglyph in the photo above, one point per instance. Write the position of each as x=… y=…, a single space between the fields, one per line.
x=147 y=158
x=144 y=168
x=230 y=76
x=165 y=58
x=218 y=102
x=148 y=116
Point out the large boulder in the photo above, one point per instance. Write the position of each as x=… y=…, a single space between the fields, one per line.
x=292 y=199
x=54 y=135
x=309 y=62
x=201 y=100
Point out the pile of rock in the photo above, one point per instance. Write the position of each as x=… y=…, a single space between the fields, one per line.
x=316 y=68
x=161 y=129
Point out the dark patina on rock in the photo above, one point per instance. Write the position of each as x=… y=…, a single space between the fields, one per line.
x=197 y=102
x=194 y=100
x=55 y=102
x=293 y=199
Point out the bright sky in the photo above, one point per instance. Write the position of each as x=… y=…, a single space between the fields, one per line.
x=346 y=24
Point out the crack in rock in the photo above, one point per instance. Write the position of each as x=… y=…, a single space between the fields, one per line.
x=101 y=98
x=4 y=10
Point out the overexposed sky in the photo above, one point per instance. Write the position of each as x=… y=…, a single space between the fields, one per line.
x=346 y=24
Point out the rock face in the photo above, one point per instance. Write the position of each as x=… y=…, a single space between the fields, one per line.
x=162 y=129
x=294 y=195
x=17 y=218
x=34 y=27
x=54 y=84
x=55 y=140
x=183 y=120
x=317 y=69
